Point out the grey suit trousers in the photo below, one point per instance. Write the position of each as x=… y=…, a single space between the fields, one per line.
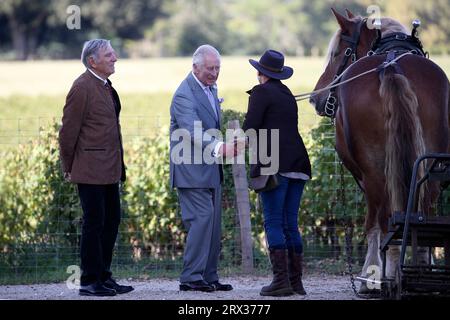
x=201 y=215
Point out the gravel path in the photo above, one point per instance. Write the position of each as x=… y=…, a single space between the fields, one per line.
x=318 y=287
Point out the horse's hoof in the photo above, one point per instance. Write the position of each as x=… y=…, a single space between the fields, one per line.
x=363 y=289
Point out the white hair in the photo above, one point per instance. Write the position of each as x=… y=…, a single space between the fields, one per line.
x=199 y=54
x=91 y=49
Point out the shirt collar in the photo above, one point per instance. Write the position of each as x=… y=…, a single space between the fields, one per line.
x=98 y=77
x=201 y=84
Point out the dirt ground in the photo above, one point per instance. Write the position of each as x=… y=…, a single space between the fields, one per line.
x=318 y=287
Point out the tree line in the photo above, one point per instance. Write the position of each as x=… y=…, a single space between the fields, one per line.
x=156 y=28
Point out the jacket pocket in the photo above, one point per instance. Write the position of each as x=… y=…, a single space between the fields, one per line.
x=94 y=149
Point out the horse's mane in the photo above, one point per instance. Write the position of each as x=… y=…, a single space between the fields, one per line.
x=333 y=45
x=388 y=26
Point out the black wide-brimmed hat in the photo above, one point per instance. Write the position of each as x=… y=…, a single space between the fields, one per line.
x=272 y=65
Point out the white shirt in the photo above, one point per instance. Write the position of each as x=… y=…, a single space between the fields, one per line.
x=201 y=84
x=295 y=175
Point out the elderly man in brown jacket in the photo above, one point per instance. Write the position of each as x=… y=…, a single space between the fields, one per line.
x=92 y=157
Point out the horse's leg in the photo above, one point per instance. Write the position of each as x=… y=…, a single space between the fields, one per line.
x=422 y=255
x=393 y=254
x=372 y=256
x=392 y=259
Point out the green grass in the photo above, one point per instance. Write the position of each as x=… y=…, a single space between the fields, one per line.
x=149 y=76
x=21 y=116
x=33 y=93
x=145 y=86
x=53 y=78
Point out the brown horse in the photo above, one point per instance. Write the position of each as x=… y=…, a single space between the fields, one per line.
x=384 y=119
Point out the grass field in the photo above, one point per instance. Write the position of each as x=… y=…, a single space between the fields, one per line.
x=33 y=92
x=142 y=76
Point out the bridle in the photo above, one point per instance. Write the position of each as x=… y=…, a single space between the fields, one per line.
x=350 y=53
x=331 y=103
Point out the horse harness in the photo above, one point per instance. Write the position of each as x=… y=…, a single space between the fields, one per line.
x=350 y=51
x=393 y=45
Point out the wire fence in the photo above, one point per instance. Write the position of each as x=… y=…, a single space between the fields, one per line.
x=44 y=252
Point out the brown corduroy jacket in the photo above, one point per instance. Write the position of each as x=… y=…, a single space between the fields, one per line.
x=90 y=139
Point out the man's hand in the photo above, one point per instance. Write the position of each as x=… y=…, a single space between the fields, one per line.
x=67 y=176
x=228 y=150
x=240 y=144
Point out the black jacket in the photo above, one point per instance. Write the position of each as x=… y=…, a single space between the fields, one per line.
x=272 y=106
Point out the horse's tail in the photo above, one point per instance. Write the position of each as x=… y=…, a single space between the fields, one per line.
x=404 y=136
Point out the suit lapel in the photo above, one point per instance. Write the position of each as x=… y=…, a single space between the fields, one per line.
x=200 y=96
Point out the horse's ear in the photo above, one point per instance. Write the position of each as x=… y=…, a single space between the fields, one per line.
x=350 y=15
x=343 y=21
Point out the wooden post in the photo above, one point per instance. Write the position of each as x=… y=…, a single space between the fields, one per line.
x=243 y=209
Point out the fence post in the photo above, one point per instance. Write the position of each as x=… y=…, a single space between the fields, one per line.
x=243 y=209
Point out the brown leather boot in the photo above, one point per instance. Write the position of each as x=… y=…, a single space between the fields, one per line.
x=295 y=268
x=280 y=284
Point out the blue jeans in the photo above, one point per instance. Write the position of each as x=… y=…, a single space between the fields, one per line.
x=280 y=208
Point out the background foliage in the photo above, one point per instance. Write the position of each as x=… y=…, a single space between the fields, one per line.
x=40 y=216
x=149 y=28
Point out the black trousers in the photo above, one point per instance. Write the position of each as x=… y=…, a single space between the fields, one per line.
x=101 y=218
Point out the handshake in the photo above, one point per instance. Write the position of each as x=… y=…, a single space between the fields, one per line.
x=232 y=149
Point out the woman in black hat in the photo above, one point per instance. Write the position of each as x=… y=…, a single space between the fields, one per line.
x=273 y=107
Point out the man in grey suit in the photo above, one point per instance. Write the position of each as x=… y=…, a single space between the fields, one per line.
x=196 y=149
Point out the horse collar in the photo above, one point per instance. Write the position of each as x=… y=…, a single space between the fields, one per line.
x=399 y=42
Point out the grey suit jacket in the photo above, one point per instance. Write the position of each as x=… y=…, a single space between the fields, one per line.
x=190 y=107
